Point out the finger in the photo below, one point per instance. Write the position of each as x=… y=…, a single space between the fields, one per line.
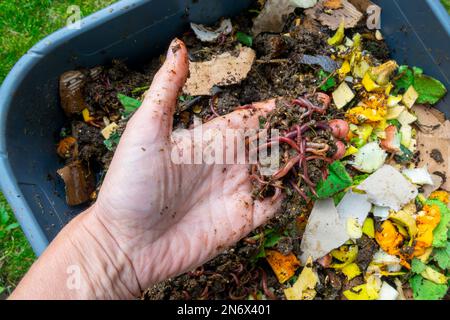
x=156 y=112
x=265 y=210
x=243 y=119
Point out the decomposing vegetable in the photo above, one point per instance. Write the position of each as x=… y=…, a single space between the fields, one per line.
x=303 y=288
x=79 y=182
x=369 y=158
x=283 y=266
x=324 y=232
x=342 y=95
x=387 y=187
x=207 y=35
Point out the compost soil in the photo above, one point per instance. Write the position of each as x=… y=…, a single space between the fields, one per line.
x=237 y=272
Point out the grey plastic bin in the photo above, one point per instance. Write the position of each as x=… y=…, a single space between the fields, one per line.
x=31 y=117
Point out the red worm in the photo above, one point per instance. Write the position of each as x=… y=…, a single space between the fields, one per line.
x=235 y=278
x=299 y=191
x=187 y=296
x=269 y=294
x=259 y=179
x=285 y=170
x=249 y=241
x=204 y=293
x=211 y=104
x=277 y=194
x=240 y=268
x=289 y=142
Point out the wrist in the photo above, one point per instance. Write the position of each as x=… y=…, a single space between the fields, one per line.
x=106 y=271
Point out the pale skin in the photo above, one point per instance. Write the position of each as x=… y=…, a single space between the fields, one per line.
x=153 y=219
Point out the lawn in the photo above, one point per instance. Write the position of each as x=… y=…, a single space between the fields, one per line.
x=22 y=24
x=446 y=4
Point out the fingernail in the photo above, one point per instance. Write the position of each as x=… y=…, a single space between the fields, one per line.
x=173 y=48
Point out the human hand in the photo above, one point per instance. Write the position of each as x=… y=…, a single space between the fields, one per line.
x=168 y=218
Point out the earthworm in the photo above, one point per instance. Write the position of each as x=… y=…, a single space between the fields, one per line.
x=240 y=268
x=250 y=241
x=268 y=293
x=259 y=179
x=277 y=194
x=204 y=294
x=299 y=191
x=289 y=142
x=211 y=105
x=285 y=170
x=187 y=296
x=235 y=278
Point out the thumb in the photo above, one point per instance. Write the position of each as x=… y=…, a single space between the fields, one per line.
x=156 y=113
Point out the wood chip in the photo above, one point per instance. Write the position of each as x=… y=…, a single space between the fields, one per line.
x=348 y=12
x=223 y=70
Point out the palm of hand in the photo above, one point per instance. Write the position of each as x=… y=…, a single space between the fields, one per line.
x=179 y=215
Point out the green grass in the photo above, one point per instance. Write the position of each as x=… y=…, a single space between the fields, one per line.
x=446 y=4
x=22 y=24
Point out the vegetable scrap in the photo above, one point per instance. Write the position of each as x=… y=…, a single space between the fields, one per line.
x=206 y=35
x=363 y=153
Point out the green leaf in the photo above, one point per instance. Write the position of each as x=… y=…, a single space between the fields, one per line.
x=405 y=157
x=442 y=257
x=429 y=89
x=417 y=71
x=261 y=253
x=12 y=226
x=337 y=181
x=262 y=122
x=337 y=198
x=418 y=266
x=2 y=289
x=427 y=290
x=440 y=232
x=357 y=180
x=244 y=38
x=140 y=89
x=113 y=141
x=329 y=84
x=395 y=122
x=271 y=240
x=129 y=104
x=405 y=80
x=4 y=216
